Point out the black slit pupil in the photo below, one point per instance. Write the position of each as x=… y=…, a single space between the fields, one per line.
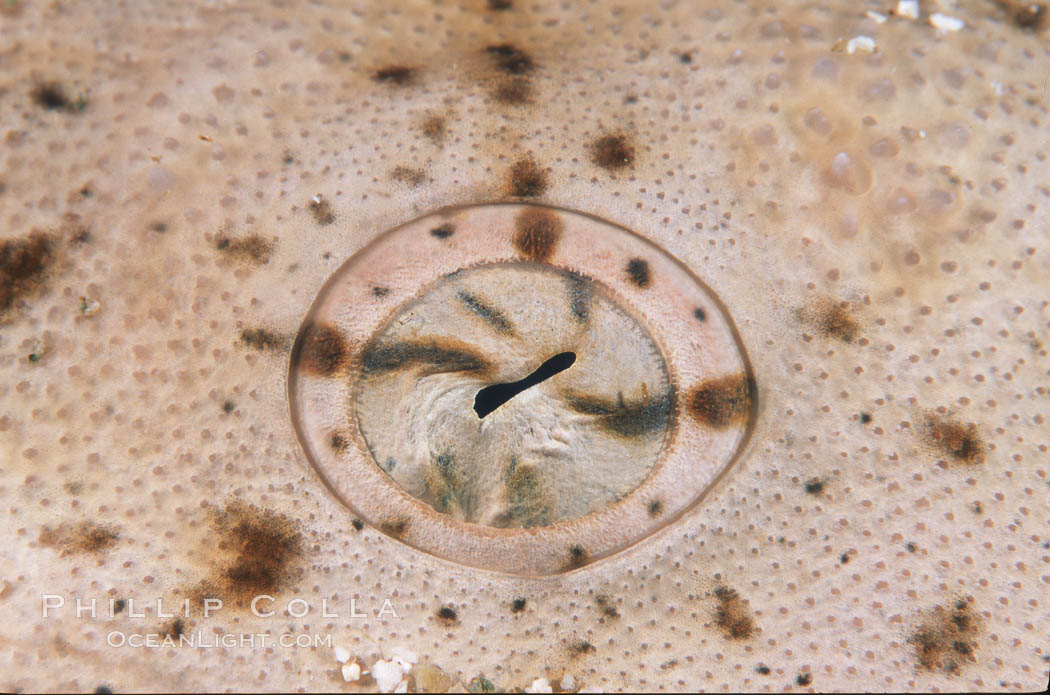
x=492 y=397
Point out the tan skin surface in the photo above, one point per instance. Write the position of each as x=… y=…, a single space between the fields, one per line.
x=874 y=222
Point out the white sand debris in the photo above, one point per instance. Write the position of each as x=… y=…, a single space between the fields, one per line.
x=341 y=655
x=568 y=682
x=945 y=23
x=909 y=9
x=879 y=18
x=860 y=44
x=540 y=685
x=404 y=658
x=351 y=672
x=388 y=675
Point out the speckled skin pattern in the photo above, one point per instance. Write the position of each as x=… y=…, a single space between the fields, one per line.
x=876 y=223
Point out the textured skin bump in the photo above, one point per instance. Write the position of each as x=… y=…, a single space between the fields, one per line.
x=905 y=189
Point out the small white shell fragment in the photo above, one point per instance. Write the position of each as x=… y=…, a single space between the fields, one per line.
x=540 y=685
x=878 y=17
x=388 y=675
x=403 y=658
x=351 y=672
x=908 y=9
x=341 y=655
x=402 y=687
x=407 y=655
x=945 y=23
x=568 y=682
x=591 y=690
x=860 y=44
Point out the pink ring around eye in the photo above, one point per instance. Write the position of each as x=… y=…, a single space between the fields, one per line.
x=655 y=406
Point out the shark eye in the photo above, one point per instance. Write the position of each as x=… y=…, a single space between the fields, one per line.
x=518 y=388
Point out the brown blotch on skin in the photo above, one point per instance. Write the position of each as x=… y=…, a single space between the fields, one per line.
x=804 y=679
x=947 y=639
x=500 y=5
x=636 y=419
x=1027 y=14
x=655 y=508
x=261 y=339
x=813 y=486
x=578 y=556
x=323 y=350
x=408 y=176
x=357 y=524
x=250 y=249
x=321 y=209
x=638 y=272
x=52 y=96
x=581 y=294
x=85 y=537
x=536 y=233
x=260 y=552
x=513 y=92
x=175 y=629
x=447 y=615
x=517 y=605
x=580 y=647
x=526 y=179
x=399 y=75
x=24 y=264
x=434 y=128
x=511 y=59
x=443 y=231
x=395 y=528
x=835 y=320
x=959 y=442
x=434 y=356
x=722 y=402
x=527 y=499
x=612 y=152
x=606 y=606
x=732 y=616
x=337 y=441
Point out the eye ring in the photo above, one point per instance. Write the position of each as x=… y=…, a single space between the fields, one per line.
x=712 y=385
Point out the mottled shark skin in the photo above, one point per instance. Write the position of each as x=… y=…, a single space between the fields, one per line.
x=866 y=192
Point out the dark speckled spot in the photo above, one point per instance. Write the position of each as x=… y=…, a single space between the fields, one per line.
x=435 y=356
x=581 y=294
x=526 y=179
x=489 y=314
x=400 y=75
x=959 y=442
x=323 y=351
x=536 y=233
x=732 y=615
x=612 y=152
x=721 y=402
x=513 y=92
x=578 y=557
x=24 y=263
x=638 y=272
x=511 y=59
x=625 y=419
